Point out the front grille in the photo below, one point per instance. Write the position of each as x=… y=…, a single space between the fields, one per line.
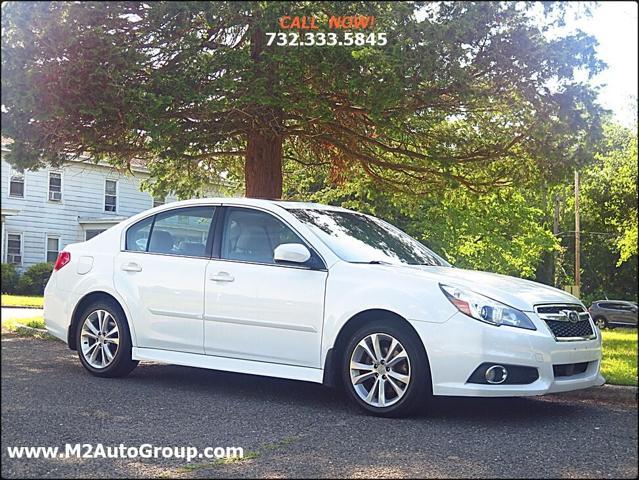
x=556 y=309
x=563 y=324
x=570 y=330
x=569 y=369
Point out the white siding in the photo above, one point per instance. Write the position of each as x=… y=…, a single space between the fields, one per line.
x=82 y=197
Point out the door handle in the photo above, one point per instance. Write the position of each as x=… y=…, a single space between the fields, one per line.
x=131 y=267
x=222 y=277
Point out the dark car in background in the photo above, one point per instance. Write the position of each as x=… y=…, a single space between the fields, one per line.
x=614 y=313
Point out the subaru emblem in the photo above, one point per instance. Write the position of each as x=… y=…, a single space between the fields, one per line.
x=573 y=317
x=570 y=316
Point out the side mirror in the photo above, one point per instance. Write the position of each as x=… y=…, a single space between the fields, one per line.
x=291 y=253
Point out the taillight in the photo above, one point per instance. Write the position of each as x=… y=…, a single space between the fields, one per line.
x=63 y=259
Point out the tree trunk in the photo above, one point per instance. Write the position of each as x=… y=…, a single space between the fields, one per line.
x=263 y=162
x=263 y=165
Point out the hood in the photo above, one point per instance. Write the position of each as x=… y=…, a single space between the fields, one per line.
x=515 y=292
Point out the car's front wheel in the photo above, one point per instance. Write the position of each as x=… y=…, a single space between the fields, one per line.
x=601 y=322
x=104 y=342
x=385 y=370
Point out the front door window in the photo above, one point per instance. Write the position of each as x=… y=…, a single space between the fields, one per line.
x=252 y=236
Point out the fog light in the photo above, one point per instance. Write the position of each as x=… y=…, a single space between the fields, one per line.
x=496 y=374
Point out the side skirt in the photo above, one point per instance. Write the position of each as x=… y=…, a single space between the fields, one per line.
x=212 y=362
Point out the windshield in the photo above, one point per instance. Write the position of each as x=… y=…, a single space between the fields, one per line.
x=359 y=238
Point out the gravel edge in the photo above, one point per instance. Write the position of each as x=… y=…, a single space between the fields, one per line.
x=606 y=394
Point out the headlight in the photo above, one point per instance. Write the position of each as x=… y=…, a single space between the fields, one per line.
x=485 y=309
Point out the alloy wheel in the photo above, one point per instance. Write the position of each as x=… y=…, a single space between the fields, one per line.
x=100 y=339
x=380 y=370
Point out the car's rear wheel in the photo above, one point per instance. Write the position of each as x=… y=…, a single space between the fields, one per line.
x=601 y=322
x=385 y=370
x=103 y=339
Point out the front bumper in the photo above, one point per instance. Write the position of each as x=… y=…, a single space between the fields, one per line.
x=458 y=346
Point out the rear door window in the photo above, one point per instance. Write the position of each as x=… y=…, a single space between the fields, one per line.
x=137 y=236
x=183 y=231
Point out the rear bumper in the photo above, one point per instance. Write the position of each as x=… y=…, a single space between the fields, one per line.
x=458 y=346
x=56 y=317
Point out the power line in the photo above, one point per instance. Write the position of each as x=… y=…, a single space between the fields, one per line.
x=583 y=232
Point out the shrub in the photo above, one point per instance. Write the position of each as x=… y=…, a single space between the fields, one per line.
x=35 y=278
x=10 y=277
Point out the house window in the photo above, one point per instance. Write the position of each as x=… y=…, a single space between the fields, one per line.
x=158 y=200
x=53 y=247
x=55 y=186
x=89 y=234
x=110 y=195
x=14 y=248
x=16 y=183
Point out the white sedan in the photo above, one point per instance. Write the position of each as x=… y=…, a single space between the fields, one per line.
x=316 y=293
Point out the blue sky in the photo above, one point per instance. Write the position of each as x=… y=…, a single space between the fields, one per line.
x=614 y=25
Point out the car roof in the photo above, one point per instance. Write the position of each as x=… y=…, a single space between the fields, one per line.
x=286 y=204
x=614 y=301
x=265 y=204
x=301 y=205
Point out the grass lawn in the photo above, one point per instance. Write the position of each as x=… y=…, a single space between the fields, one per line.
x=33 y=322
x=15 y=325
x=619 y=364
x=22 y=301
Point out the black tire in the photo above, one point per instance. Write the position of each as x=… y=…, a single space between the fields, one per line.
x=601 y=322
x=419 y=390
x=122 y=364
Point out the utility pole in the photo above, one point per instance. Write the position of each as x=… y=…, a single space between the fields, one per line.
x=577 y=238
x=555 y=232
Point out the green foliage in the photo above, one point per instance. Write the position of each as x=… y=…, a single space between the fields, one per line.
x=509 y=230
x=610 y=189
x=608 y=220
x=460 y=96
x=9 y=278
x=459 y=131
x=499 y=231
x=35 y=278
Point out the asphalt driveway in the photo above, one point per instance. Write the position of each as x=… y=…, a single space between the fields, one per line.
x=292 y=429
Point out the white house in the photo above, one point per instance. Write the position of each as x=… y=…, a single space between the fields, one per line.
x=44 y=210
